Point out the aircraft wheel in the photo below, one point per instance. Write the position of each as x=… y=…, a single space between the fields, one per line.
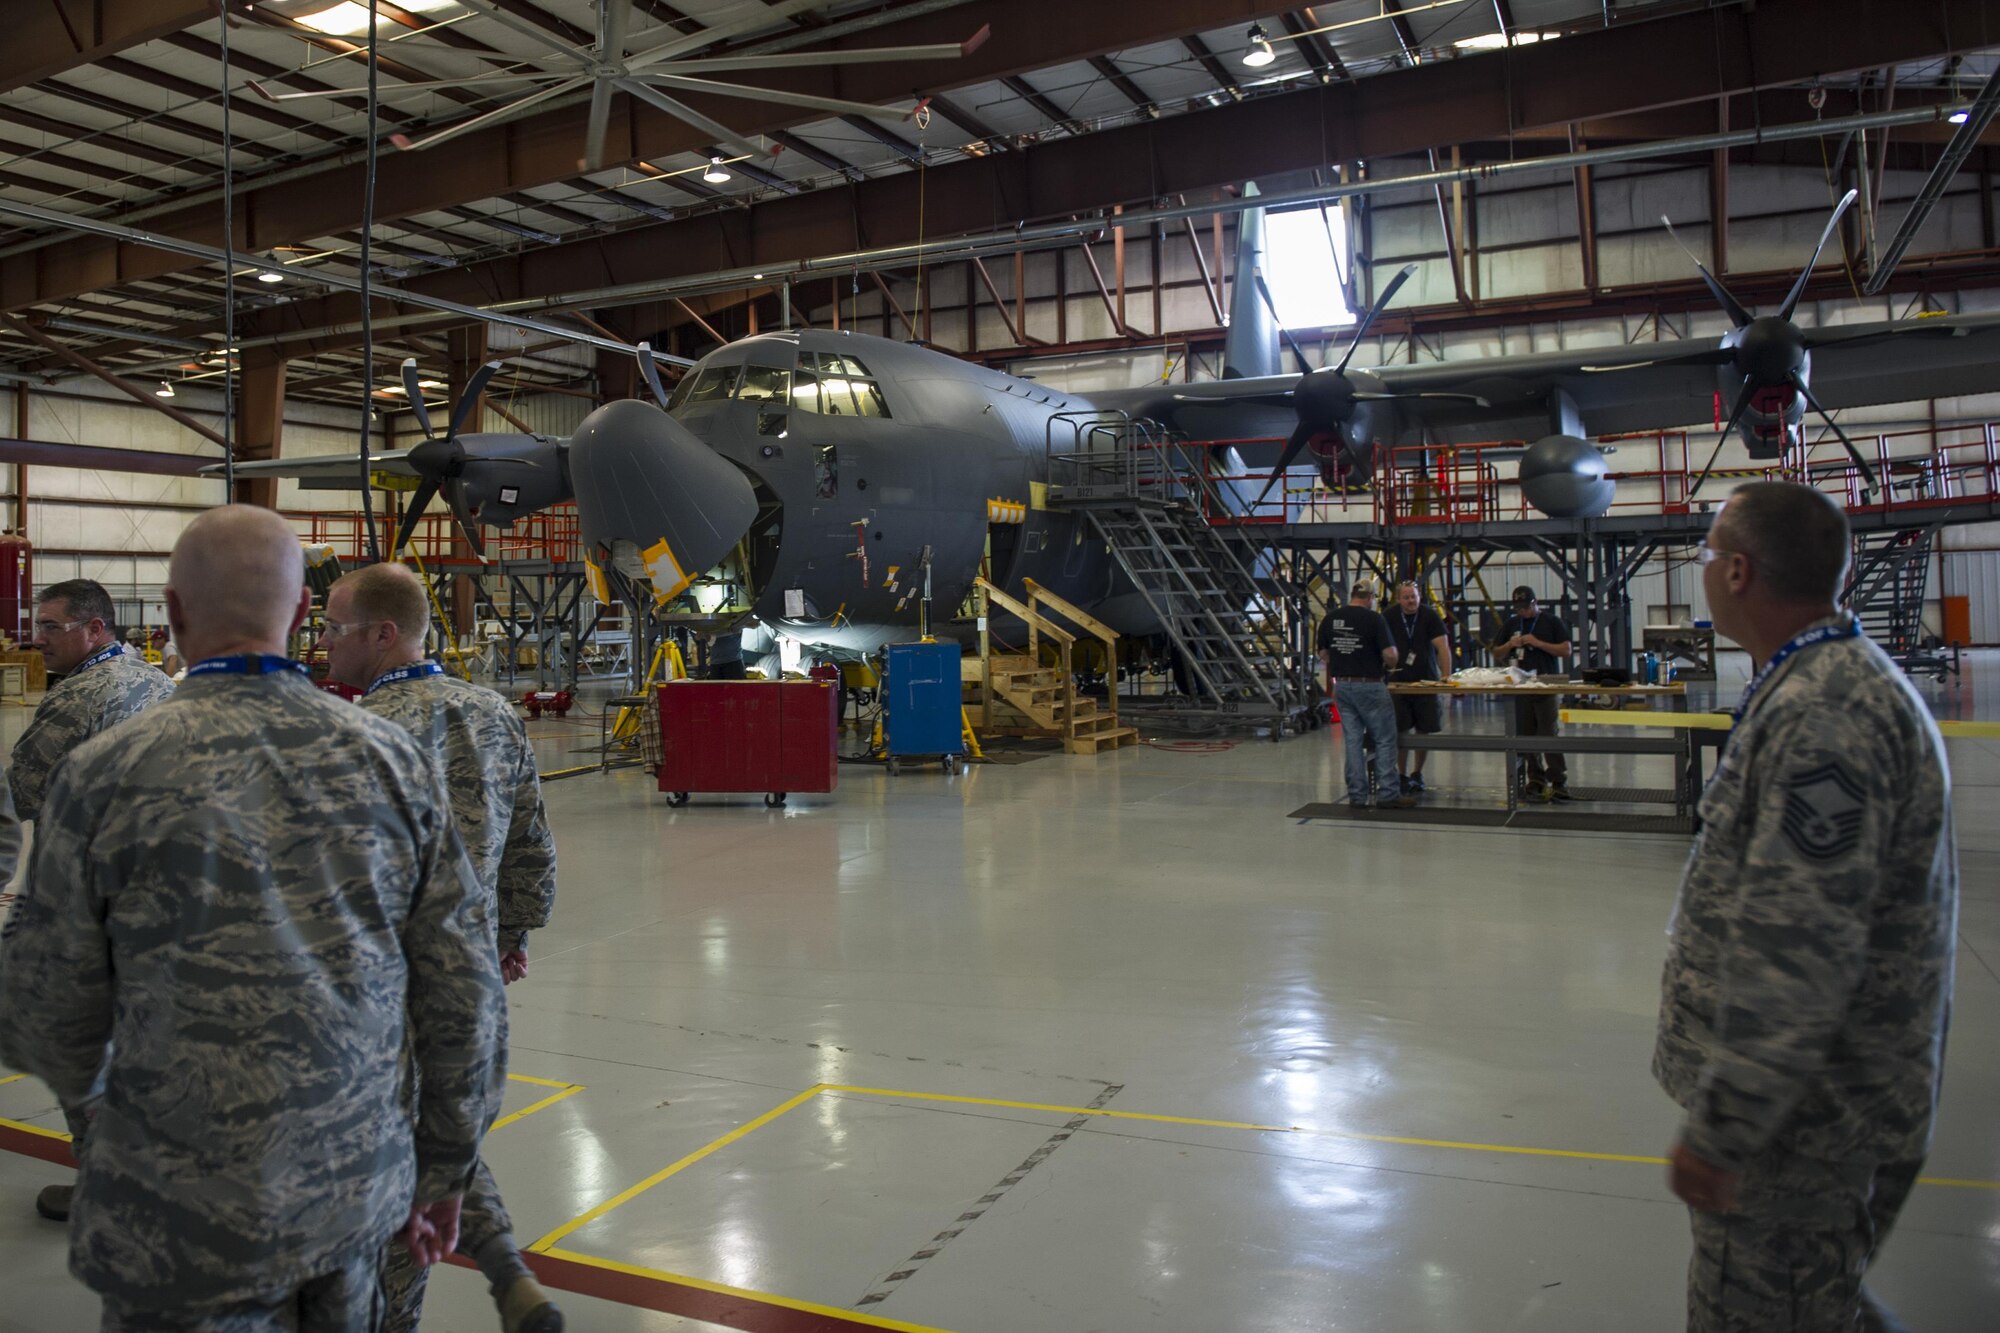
x=951 y=763
x=678 y=799
x=772 y=800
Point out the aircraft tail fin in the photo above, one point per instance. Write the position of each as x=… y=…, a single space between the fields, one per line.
x=1251 y=347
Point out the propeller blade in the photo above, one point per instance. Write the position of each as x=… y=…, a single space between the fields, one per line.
x=1805 y=274
x=1728 y=429
x=1730 y=305
x=413 y=393
x=652 y=374
x=420 y=500
x=1873 y=482
x=1300 y=438
x=470 y=398
x=600 y=125
x=1381 y=303
x=1271 y=304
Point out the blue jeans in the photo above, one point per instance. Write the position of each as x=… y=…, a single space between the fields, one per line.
x=1367 y=713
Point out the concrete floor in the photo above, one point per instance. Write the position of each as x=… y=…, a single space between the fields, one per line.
x=1357 y=1079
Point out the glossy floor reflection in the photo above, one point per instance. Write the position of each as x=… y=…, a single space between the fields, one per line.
x=1313 y=1037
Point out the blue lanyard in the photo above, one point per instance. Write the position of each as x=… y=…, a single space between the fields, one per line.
x=1850 y=629
x=104 y=654
x=249 y=664
x=415 y=671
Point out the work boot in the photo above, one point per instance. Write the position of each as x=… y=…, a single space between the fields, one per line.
x=53 y=1202
x=526 y=1308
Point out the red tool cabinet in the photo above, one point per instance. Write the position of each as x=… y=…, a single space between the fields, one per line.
x=748 y=735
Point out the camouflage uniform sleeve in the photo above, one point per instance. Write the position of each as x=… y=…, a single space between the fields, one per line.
x=1820 y=806
x=55 y=961
x=55 y=730
x=457 y=1016
x=528 y=862
x=10 y=833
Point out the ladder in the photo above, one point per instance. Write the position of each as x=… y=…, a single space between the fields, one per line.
x=1885 y=591
x=1148 y=496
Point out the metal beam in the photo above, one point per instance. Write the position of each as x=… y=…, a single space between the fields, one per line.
x=1978 y=116
x=42 y=43
x=124 y=386
x=1122 y=81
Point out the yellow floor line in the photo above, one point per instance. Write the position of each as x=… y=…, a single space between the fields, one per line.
x=543 y=1245
x=12 y=1078
x=27 y=1128
x=541 y=1082
x=569 y=1090
x=1061 y=1110
x=720 y=1289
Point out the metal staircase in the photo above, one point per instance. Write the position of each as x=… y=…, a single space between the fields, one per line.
x=1886 y=590
x=1243 y=639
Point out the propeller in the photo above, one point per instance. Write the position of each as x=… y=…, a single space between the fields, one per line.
x=441 y=459
x=652 y=374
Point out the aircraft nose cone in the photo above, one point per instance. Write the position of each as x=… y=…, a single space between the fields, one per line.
x=1771 y=350
x=1324 y=400
x=641 y=476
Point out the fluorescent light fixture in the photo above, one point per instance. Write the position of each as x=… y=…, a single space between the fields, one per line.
x=1260 y=53
x=1498 y=41
x=165 y=390
x=716 y=173
x=348 y=19
x=266 y=275
x=1959 y=117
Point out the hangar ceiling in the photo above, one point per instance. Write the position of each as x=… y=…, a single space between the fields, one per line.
x=113 y=111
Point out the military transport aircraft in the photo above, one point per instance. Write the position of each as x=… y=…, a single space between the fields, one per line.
x=826 y=473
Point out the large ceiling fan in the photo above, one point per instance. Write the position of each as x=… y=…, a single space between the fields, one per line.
x=657 y=60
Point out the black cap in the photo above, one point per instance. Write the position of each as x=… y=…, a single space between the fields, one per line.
x=1524 y=595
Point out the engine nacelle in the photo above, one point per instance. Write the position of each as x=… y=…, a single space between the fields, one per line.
x=1566 y=477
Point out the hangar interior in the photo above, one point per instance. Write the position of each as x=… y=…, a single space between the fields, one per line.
x=1060 y=1039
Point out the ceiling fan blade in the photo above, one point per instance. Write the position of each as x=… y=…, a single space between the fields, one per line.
x=716 y=28
x=652 y=374
x=863 y=55
x=1271 y=304
x=390 y=89
x=681 y=111
x=1381 y=302
x=508 y=112
x=1730 y=305
x=715 y=88
x=1805 y=274
x=1300 y=438
x=470 y=398
x=420 y=500
x=601 y=94
x=1873 y=482
x=413 y=393
x=1728 y=429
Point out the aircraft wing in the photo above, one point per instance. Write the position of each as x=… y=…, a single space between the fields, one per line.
x=323 y=471
x=1942 y=357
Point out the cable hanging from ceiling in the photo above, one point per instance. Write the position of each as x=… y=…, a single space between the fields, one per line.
x=228 y=277
x=367 y=301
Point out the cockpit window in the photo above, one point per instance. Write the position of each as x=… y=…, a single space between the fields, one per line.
x=765 y=384
x=838 y=386
x=713 y=384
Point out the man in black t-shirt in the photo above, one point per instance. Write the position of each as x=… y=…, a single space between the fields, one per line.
x=1355 y=649
x=1537 y=641
x=1423 y=652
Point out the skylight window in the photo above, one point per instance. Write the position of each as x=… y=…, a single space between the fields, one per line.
x=1302 y=269
x=349 y=19
x=1497 y=41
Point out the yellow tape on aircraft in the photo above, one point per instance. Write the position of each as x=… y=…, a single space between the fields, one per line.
x=669 y=579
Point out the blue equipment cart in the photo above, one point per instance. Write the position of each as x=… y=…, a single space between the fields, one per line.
x=923 y=692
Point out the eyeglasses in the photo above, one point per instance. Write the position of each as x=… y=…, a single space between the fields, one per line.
x=334 y=629
x=48 y=627
x=1708 y=555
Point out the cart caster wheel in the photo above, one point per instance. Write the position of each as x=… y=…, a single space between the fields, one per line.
x=678 y=799
x=772 y=800
x=894 y=768
x=950 y=764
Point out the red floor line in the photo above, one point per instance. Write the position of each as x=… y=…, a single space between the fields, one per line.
x=646 y=1293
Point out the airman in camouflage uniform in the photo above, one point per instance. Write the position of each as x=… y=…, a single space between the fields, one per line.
x=1806 y=993
x=376 y=621
x=102 y=684
x=10 y=834
x=239 y=917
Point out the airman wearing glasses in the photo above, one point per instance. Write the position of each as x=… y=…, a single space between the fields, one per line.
x=102 y=685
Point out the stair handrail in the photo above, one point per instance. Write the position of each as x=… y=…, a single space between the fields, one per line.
x=1037 y=595
x=1037 y=624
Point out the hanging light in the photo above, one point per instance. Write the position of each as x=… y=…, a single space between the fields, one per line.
x=1959 y=117
x=1260 y=53
x=716 y=173
x=165 y=390
x=269 y=275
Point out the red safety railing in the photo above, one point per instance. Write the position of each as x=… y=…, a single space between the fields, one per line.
x=552 y=535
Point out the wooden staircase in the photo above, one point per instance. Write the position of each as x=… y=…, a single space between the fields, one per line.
x=1019 y=694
